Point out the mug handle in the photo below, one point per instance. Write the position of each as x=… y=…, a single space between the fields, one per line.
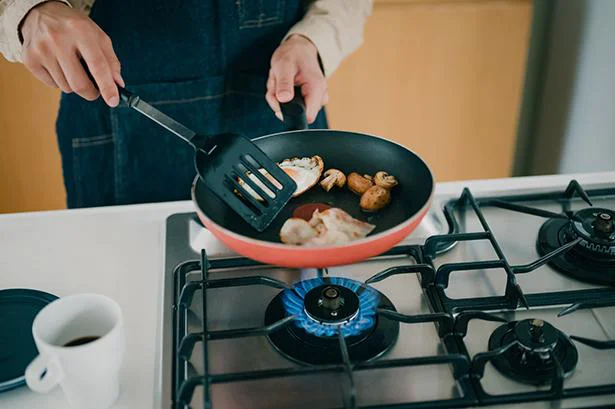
x=44 y=373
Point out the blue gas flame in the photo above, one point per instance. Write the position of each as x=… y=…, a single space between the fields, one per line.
x=363 y=320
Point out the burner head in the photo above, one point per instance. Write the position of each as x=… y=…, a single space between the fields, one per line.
x=536 y=335
x=595 y=227
x=324 y=308
x=536 y=346
x=593 y=259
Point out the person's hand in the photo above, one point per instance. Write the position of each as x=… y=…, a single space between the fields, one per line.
x=56 y=37
x=295 y=62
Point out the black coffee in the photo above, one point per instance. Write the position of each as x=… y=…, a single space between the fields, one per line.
x=81 y=341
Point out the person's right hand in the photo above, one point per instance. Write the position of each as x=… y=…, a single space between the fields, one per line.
x=56 y=37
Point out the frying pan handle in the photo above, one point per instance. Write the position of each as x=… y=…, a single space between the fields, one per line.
x=294 y=112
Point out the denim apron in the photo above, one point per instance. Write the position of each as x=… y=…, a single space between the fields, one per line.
x=203 y=62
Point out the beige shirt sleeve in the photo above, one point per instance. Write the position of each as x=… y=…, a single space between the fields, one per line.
x=335 y=27
x=12 y=13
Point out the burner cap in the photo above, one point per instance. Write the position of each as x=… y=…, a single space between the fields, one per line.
x=331 y=304
x=536 y=345
x=324 y=308
x=603 y=224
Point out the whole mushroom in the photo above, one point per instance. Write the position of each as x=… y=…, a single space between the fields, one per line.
x=375 y=198
x=359 y=184
x=333 y=177
x=385 y=180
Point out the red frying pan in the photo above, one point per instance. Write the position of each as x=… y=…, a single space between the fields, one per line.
x=346 y=151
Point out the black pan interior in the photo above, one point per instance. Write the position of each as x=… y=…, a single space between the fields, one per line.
x=342 y=150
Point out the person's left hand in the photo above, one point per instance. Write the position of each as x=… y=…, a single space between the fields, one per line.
x=295 y=62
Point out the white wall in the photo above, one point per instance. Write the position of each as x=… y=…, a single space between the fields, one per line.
x=589 y=138
x=575 y=126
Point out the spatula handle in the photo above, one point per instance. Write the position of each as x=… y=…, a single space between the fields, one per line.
x=170 y=124
x=293 y=112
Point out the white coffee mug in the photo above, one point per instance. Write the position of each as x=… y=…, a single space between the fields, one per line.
x=87 y=372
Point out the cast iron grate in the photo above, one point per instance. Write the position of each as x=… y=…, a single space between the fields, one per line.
x=450 y=316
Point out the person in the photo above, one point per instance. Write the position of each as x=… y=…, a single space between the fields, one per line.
x=206 y=63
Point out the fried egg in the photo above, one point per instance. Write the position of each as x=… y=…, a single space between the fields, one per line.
x=305 y=172
x=327 y=228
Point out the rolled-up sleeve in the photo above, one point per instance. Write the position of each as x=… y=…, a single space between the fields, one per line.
x=335 y=27
x=12 y=13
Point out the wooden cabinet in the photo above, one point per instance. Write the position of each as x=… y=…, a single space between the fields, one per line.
x=443 y=77
x=30 y=169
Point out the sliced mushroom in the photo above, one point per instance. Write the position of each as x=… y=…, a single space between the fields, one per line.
x=385 y=180
x=375 y=198
x=358 y=184
x=333 y=177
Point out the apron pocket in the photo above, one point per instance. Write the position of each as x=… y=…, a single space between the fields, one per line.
x=259 y=13
x=92 y=159
x=87 y=147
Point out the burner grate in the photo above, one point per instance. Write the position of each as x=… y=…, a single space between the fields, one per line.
x=450 y=316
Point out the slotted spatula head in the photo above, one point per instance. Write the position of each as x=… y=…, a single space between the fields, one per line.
x=245 y=178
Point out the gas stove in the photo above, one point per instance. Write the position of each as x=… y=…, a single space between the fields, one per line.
x=494 y=301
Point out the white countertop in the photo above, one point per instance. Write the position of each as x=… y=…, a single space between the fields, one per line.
x=119 y=251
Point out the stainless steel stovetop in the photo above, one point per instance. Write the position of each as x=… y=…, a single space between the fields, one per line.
x=453 y=283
